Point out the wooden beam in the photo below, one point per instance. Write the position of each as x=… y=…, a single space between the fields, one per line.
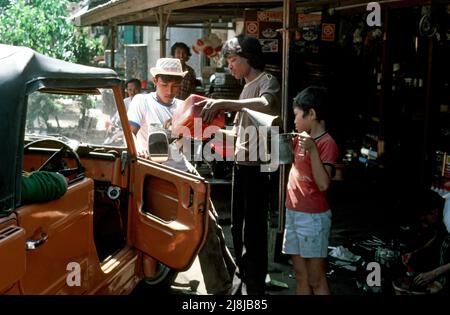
x=201 y=27
x=384 y=4
x=116 y=8
x=122 y=9
x=342 y=5
x=125 y=19
x=196 y=3
x=149 y=17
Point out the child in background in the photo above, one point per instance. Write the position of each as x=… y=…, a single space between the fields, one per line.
x=431 y=260
x=308 y=215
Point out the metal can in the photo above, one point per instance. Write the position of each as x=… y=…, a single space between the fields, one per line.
x=440 y=163
x=447 y=165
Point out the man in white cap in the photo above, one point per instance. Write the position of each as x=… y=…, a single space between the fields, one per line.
x=156 y=108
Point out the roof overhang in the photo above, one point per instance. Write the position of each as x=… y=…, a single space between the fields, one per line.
x=145 y=12
x=184 y=12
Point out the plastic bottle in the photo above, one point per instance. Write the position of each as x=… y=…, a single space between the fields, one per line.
x=302 y=150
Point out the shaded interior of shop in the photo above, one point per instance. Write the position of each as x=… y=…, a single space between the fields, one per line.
x=388 y=84
x=389 y=90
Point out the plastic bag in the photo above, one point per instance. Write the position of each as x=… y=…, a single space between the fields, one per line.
x=187 y=116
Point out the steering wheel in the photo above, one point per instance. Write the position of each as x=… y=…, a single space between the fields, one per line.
x=56 y=163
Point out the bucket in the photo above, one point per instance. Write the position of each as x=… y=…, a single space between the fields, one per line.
x=285 y=148
x=402 y=287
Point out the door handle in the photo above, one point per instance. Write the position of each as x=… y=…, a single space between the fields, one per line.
x=33 y=244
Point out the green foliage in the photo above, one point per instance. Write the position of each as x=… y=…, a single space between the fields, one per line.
x=40 y=107
x=86 y=48
x=3 y=4
x=43 y=26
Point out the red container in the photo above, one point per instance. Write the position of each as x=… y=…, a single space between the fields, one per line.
x=187 y=121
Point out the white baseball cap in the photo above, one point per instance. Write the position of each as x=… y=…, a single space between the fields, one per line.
x=168 y=66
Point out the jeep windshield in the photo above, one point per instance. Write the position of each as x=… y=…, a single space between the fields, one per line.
x=88 y=117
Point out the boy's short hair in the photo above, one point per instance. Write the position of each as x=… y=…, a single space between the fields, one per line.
x=134 y=81
x=313 y=97
x=247 y=47
x=169 y=78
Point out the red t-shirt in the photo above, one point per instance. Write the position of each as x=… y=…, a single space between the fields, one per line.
x=302 y=191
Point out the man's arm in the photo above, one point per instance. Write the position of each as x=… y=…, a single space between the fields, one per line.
x=407 y=257
x=321 y=172
x=212 y=107
x=141 y=152
x=427 y=277
x=134 y=129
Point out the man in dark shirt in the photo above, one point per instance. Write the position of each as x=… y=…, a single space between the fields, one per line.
x=181 y=51
x=250 y=184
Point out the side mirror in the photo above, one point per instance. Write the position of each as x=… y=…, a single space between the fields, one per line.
x=158 y=146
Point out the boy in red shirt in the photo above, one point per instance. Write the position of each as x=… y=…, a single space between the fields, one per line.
x=308 y=215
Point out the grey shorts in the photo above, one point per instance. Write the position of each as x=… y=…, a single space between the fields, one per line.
x=306 y=234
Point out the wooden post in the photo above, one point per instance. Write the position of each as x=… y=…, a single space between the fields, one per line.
x=163 y=21
x=428 y=114
x=113 y=46
x=386 y=91
x=290 y=22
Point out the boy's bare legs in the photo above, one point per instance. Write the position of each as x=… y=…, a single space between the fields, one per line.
x=301 y=276
x=310 y=275
x=317 y=268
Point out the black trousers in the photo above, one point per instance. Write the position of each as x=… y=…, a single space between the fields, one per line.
x=216 y=262
x=250 y=202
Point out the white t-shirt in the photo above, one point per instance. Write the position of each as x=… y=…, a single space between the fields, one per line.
x=145 y=111
x=127 y=102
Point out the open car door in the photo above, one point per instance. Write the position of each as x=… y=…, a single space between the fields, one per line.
x=168 y=215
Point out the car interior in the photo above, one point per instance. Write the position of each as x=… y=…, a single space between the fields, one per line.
x=108 y=173
x=53 y=142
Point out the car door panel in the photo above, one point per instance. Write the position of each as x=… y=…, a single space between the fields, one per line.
x=66 y=224
x=118 y=275
x=169 y=214
x=12 y=253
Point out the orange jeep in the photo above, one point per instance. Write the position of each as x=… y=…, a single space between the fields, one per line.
x=121 y=215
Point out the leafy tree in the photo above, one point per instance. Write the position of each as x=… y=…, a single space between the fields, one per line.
x=43 y=26
x=3 y=4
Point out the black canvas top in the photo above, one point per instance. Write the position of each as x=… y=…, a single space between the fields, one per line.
x=23 y=71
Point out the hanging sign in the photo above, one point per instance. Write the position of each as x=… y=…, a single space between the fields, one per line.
x=252 y=28
x=328 y=32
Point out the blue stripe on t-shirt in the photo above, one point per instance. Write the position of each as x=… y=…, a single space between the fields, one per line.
x=134 y=124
